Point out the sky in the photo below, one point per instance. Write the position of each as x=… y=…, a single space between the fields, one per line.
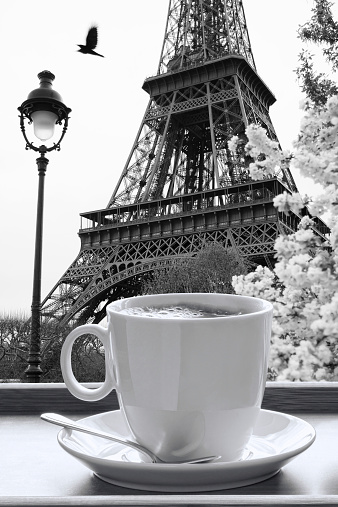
x=108 y=104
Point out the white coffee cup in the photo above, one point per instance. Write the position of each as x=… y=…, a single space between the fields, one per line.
x=188 y=387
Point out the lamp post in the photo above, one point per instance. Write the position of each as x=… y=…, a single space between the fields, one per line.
x=44 y=108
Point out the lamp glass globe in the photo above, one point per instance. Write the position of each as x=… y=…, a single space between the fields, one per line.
x=44 y=124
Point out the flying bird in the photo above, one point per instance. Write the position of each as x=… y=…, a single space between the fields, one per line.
x=91 y=43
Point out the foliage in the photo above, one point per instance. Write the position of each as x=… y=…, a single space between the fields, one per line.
x=316 y=85
x=211 y=270
x=14 y=336
x=321 y=30
x=87 y=358
x=304 y=285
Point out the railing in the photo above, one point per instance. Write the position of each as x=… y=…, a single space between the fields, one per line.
x=176 y=206
x=175 y=65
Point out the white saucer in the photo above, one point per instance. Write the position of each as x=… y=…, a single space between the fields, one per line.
x=277 y=439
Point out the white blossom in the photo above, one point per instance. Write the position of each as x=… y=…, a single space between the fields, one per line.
x=233 y=143
x=268 y=158
x=304 y=285
x=287 y=202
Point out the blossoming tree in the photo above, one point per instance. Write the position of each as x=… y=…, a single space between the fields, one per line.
x=304 y=284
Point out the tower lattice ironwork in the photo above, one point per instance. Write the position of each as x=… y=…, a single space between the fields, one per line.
x=181 y=186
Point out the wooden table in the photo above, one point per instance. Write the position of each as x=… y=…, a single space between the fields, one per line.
x=34 y=470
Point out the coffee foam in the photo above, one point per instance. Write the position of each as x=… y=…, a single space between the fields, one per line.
x=178 y=312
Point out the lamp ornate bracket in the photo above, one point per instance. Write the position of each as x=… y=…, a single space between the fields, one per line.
x=26 y=110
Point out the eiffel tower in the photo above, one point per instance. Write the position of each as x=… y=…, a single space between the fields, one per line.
x=181 y=186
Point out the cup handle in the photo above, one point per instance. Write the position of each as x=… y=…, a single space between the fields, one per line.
x=74 y=387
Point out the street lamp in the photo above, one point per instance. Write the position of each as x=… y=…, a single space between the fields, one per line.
x=45 y=109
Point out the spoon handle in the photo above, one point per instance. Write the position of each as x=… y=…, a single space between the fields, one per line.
x=65 y=422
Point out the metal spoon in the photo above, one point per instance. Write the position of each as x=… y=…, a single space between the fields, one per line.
x=60 y=420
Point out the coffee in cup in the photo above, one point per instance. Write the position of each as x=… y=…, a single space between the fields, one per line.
x=189 y=370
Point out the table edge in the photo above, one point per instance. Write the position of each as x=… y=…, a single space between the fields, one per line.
x=26 y=398
x=153 y=500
